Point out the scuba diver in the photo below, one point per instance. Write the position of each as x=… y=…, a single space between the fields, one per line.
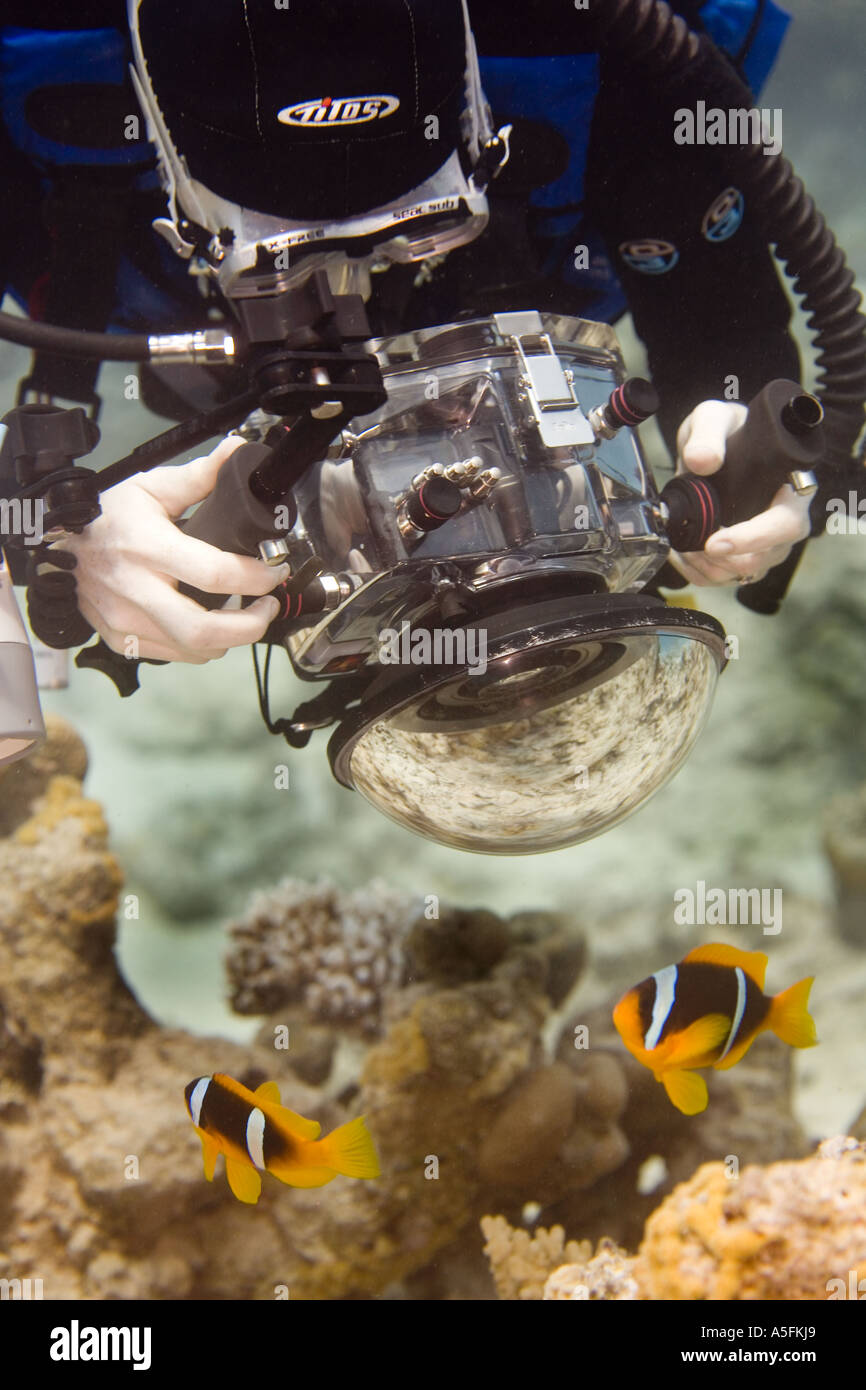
x=435 y=164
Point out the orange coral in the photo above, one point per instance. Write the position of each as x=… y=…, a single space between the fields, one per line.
x=780 y=1232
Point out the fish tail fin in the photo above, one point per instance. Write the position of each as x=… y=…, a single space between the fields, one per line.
x=350 y=1150
x=789 y=1016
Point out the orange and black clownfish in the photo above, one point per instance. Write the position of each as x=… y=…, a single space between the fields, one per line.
x=707 y=1012
x=258 y=1134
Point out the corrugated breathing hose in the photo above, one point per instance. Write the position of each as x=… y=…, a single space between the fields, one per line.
x=648 y=34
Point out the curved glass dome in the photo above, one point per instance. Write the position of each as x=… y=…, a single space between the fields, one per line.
x=573 y=724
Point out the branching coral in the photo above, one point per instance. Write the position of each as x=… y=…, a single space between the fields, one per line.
x=522 y=1262
x=336 y=953
x=543 y=1265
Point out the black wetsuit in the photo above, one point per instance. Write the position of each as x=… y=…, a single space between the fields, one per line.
x=719 y=312
x=708 y=306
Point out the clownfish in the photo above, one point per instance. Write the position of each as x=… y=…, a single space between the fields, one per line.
x=259 y=1135
x=707 y=1012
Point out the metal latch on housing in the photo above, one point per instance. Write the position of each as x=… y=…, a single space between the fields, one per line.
x=549 y=389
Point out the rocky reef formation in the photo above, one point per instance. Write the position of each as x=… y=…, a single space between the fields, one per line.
x=104 y=1194
x=441 y=1029
x=783 y=1232
x=790 y=1231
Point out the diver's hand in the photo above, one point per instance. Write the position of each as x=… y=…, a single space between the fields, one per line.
x=131 y=558
x=747 y=551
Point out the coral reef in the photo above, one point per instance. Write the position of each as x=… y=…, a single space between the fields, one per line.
x=104 y=1195
x=446 y=1050
x=62 y=751
x=336 y=953
x=521 y=1263
x=786 y=1231
x=557 y=1122
x=543 y=1265
x=607 y=1275
x=60 y=995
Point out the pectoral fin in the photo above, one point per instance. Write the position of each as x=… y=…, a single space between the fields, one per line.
x=209 y=1152
x=687 y=1090
x=697 y=1045
x=244 y=1181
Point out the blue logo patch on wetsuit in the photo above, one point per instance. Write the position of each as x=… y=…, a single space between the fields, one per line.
x=723 y=216
x=650 y=255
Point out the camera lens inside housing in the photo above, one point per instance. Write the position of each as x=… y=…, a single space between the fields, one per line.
x=584 y=709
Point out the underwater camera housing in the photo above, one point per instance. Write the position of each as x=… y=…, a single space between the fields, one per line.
x=486 y=534
x=473 y=537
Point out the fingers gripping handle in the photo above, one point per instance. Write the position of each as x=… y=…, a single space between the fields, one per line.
x=233 y=518
x=780 y=441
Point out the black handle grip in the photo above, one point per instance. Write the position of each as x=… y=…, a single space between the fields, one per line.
x=120 y=669
x=233 y=518
x=781 y=434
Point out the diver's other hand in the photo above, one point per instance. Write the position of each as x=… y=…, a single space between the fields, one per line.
x=131 y=558
x=749 y=550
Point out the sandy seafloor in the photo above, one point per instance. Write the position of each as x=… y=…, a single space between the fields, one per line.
x=185 y=769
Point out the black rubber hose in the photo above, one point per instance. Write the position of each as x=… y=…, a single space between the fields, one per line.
x=74 y=342
x=648 y=34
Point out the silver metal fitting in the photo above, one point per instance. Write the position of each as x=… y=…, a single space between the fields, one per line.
x=274 y=552
x=337 y=588
x=433 y=470
x=406 y=526
x=804 y=482
x=599 y=426
x=333 y=591
x=208 y=345
x=465 y=471
x=485 y=483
